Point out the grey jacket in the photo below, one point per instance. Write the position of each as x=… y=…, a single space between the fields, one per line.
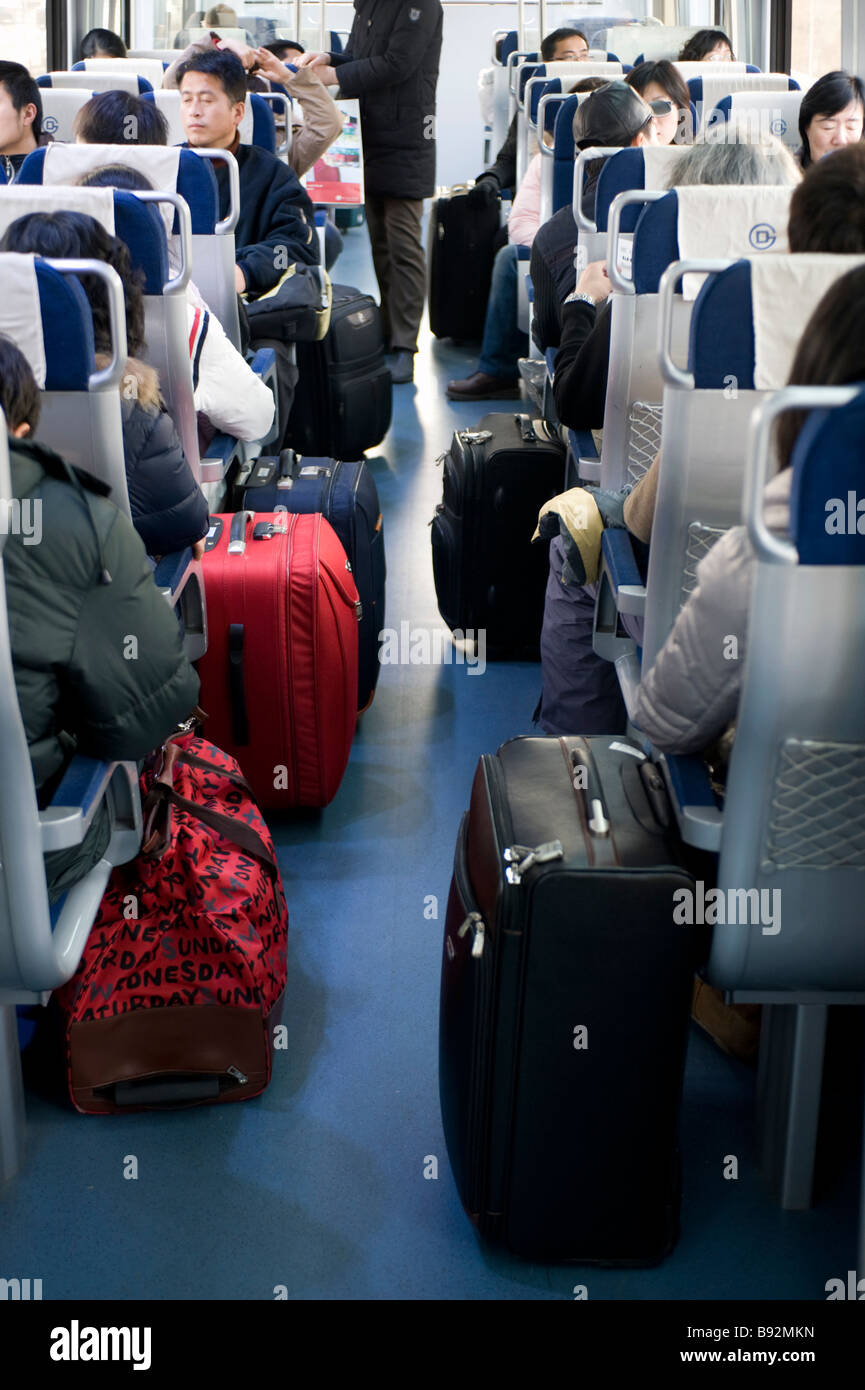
x=692 y=691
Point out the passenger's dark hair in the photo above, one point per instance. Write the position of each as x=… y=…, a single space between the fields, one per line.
x=701 y=43
x=23 y=91
x=552 y=41
x=116 y=176
x=19 y=395
x=827 y=210
x=219 y=63
x=829 y=95
x=77 y=236
x=119 y=118
x=102 y=43
x=282 y=46
x=831 y=351
x=588 y=84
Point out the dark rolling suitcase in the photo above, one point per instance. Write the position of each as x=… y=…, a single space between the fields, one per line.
x=460 y=253
x=565 y=1000
x=342 y=405
x=279 y=677
x=488 y=574
x=346 y=495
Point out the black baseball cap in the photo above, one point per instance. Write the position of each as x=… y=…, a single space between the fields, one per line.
x=613 y=115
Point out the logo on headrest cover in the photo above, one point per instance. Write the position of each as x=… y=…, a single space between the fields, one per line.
x=779 y=126
x=762 y=236
x=50 y=125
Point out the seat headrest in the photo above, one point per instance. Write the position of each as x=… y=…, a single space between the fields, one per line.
x=569 y=72
x=649 y=167
x=47 y=316
x=827 y=499
x=17 y=200
x=151 y=69
x=709 y=90
x=112 y=81
x=60 y=106
x=751 y=116
x=723 y=222
x=748 y=320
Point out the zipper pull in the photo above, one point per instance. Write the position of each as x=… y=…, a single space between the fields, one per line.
x=476 y=922
x=237 y=1074
x=520 y=858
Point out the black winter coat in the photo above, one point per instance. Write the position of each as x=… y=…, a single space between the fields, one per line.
x=169 y=510
x=276 y=226
x=392 y=65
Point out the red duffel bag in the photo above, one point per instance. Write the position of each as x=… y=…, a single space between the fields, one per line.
x=180 y=985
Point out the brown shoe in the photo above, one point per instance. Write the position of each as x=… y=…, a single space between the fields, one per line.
x=480 y=386
x=734 y=1027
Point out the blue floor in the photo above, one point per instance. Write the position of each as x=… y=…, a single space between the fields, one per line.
x=319 y=1186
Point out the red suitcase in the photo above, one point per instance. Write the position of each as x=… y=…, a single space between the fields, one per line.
x=279 y=678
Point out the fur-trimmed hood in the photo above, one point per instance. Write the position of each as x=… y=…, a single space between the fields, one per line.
x=140 y=382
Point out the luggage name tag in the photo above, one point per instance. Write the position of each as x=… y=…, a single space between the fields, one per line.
x=215 y=531
x=312 y=470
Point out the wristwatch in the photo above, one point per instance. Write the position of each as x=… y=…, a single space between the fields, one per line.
x=575 y=298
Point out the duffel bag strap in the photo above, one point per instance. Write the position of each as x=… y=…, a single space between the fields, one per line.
x=237 y=832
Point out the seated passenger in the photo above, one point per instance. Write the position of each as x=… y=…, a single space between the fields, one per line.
x=102 y=43
x=322 y=119
x=628 y=120
x=827 y=216
x=168 y=508
x=276 y=225
x=227 y=392
x=582 y=362
x=119 y=118
x=662 y=82
x=619 y=117
x=72 y=600
x=707 y=46
x=831 y=116
x=20 y=117
x=562 y=45
x=690 y=695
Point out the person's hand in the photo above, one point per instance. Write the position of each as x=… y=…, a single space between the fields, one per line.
x=198 y=548
x=247 y=55
x=306 y=60
x=271 y=68
x=239 y=280
x=484 y=194
x=594 y=281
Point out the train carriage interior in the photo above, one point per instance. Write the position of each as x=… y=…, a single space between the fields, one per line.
x=277 y=580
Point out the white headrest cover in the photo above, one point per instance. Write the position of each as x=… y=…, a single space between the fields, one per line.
x=20 y=198
x=68 y=164
x=659 y=161
x=726 y=223
x=689 y=70
x=720 y=84
x=149 y=68
x=60 y=106
x=20 y=316
x=98 y=81
x=785 y=291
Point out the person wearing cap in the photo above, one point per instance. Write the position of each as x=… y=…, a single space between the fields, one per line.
x=614 y=116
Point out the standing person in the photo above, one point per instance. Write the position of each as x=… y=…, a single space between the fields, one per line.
x=391 y=64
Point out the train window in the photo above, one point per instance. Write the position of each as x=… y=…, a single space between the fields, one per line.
x=24 y=34
x=815 y=37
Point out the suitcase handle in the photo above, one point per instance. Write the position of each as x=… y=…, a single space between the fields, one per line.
x=596 y=815
x=237 y=534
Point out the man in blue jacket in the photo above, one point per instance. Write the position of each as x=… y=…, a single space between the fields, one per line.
x=391 y=64
x=276 y=227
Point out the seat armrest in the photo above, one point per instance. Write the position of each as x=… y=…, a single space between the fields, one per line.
x=700 y=819
x=171 y=571
x=66 y=821
x=263 y=362
x=222 y=452
x=617 y=553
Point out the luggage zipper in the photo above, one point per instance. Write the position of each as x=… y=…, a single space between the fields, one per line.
x=520 y=858
x=237 y=1074
x=476 y=922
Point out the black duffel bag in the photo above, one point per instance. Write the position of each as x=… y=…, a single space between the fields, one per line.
x=296 y=310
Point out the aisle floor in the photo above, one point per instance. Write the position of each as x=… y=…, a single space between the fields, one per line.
x=322 y=1186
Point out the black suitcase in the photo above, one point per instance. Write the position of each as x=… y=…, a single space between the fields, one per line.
x=342 y=404
x=487 y=572
x=565 y=1000
x=346 y=495
x=460 y=253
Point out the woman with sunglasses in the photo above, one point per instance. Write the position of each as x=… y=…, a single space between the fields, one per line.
x=663 y=83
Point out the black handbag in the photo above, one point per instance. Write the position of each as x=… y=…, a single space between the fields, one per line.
x=296 y=310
